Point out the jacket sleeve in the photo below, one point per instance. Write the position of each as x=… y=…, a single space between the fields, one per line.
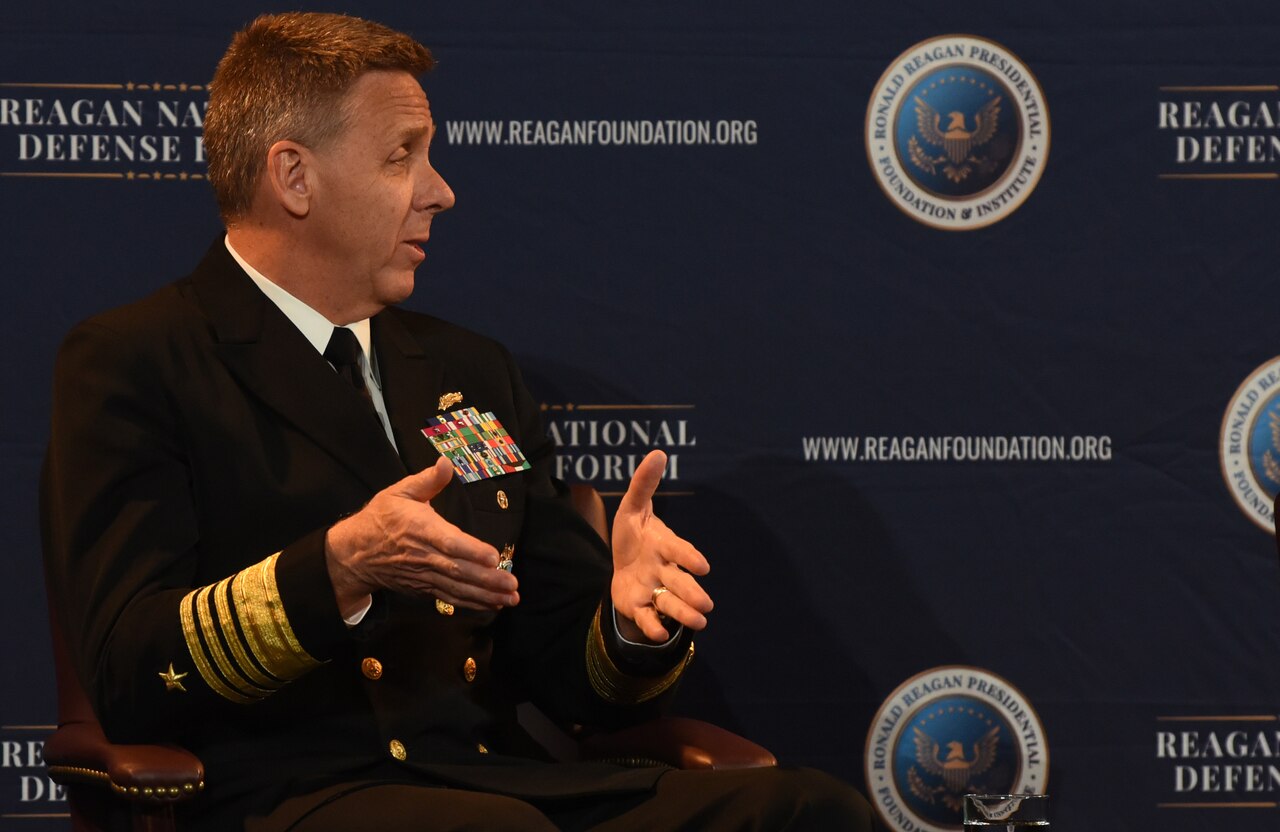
x=155 y=649
x=561 y=638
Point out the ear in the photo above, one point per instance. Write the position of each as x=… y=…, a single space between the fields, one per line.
x=289 y=176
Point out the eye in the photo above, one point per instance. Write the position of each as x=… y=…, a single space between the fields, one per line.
x=401 y=156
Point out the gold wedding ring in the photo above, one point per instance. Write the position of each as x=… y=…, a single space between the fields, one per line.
x=653 y=599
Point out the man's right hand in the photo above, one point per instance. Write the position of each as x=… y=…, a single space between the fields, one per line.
x=398 y=542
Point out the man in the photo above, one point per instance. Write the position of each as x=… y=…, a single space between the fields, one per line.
x=261 y=554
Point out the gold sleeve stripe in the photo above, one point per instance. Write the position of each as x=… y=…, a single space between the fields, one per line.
x=612 y=684
x=278 y=615
x=186 y=610
x=257 y=644
x=212 y=638
x=227 y=621
x=248 y=606
x=266 y=627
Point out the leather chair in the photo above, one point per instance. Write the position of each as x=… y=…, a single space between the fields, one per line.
x=109 y=786
x=134 y=787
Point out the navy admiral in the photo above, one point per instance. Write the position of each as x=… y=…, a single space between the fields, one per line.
x=275 y=505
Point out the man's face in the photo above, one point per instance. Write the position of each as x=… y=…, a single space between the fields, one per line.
x=376 y=193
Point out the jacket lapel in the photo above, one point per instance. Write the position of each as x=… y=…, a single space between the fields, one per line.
x=411 y=382
x=273 y=360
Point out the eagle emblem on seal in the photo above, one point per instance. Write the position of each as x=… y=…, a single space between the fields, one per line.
x=954 y=769
x=956 y=141
x=1269 y=463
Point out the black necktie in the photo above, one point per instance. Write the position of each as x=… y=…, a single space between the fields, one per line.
x=344 y=353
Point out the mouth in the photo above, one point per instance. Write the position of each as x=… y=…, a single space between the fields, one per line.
x=416 y=245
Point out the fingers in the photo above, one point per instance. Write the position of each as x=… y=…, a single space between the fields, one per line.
x=684 y=589
x=460 y=582
x=684 y=602
x=459 y=568
x=420 y=523
x=647 y=554
x=675 y=549
x=646 y=618
x=669 y=605
x=440 y=535
x=425 y=484
x=466 y=585
x=643 y=483
x=399 y=542
x=670 y=548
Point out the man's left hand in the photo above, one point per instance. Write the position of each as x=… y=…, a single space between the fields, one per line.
x=647 y=556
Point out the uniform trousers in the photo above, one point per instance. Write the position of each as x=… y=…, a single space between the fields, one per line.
x=745 y=800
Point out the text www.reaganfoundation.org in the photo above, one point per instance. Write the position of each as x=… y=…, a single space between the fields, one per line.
x=956 y=448
x=638 y=132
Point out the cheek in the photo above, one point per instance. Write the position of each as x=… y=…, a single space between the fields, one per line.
x=391 y=216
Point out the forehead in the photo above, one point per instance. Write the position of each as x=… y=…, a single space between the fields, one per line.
x=387 y=102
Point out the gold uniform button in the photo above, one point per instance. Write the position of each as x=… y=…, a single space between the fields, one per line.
x=444 y=608
x=480 y=747
x=469 y=669
x=502 y=500
x=371 y=668
x=397 y=750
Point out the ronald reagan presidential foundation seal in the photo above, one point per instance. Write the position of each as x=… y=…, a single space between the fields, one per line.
x=957 y=132
x=947 y=732
x=1249 y=444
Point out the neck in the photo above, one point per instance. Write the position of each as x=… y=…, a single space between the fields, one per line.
x=287 y=261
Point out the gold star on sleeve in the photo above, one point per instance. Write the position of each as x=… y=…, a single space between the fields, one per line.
x=173 y=679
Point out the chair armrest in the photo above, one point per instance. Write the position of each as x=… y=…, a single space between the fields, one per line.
x=677 y=741
x=78 y=752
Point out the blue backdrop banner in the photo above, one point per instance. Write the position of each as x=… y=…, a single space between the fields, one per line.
x=953 y=321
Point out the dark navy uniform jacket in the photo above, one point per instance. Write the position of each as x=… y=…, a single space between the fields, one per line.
x=200 y=449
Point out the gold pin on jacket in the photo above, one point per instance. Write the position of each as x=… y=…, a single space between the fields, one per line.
x=173 y=679
x=448 y=400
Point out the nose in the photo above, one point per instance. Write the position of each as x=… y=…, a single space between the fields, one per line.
x=433 y=193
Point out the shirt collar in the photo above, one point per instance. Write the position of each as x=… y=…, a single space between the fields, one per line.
x=315 y=327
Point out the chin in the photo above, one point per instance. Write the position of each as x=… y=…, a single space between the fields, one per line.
x=397 y=290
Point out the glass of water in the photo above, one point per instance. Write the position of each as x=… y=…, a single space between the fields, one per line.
x=1011 y=812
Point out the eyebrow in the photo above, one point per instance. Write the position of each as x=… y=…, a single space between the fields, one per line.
x=411 y=133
